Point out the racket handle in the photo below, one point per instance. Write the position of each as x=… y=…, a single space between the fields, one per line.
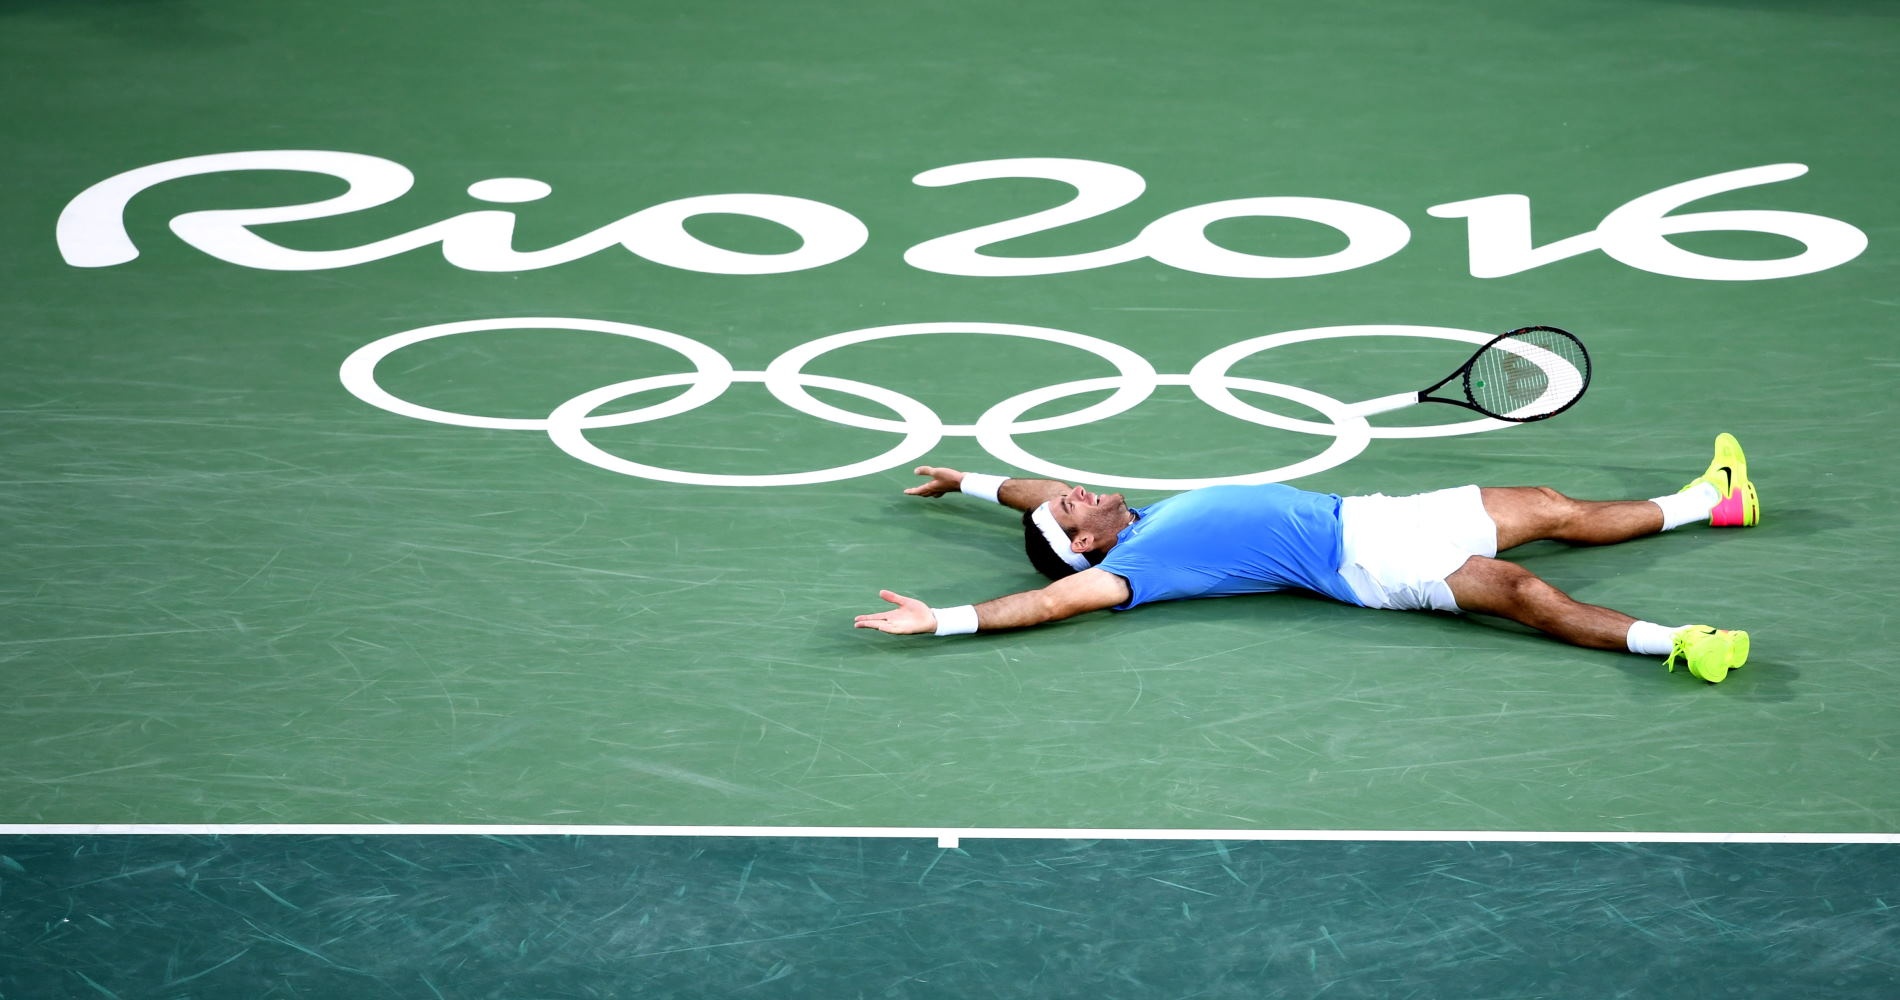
x=1385 y=404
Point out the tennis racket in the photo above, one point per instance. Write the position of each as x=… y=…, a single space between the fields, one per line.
x=1530 y=374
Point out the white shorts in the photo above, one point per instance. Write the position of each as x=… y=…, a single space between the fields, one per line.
x=1399 y=550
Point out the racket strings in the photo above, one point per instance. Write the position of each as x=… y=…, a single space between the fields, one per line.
x=1528 y=374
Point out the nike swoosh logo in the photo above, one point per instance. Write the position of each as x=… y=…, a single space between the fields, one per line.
x=1728 y=482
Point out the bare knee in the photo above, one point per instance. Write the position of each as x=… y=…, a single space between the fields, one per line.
x=1558 y=509
x=1507 y=590
x=1528 y=513
x=1496 y=587
x=1554 y=498
x=1525 y=595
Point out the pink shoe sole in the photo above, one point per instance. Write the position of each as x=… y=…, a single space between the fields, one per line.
x=1741 y=510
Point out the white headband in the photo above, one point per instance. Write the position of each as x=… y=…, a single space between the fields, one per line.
x=1057 y=538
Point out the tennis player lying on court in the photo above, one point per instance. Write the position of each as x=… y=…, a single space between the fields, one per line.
x=1434 y=551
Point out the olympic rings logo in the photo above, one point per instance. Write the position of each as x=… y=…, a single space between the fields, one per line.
x=922 y=429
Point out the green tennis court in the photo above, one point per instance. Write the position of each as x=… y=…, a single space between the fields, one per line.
x=493 y=416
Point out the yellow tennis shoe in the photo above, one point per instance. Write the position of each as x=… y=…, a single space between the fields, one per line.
x=1728 y=473
x=1709 y=653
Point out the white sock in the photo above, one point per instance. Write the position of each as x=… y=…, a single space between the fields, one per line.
x=1689 y=506
x=1651 y=639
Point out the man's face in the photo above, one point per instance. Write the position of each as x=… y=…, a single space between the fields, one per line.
x=1100 y=515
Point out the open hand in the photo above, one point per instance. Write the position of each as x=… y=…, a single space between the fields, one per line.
x=942 y=480
x=910 y=617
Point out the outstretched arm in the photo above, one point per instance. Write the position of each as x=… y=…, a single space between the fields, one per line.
x=1089 y=590
x=1021 y=494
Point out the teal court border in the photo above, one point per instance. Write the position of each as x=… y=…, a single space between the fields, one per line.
x=945 y=837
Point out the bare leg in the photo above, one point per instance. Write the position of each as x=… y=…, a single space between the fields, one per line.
x=1495 y=587
x=1532 y=513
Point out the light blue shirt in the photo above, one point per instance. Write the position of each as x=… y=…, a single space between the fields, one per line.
x=1219 y=541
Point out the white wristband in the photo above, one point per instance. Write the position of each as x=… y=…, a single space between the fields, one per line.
x=983 y=485
x=960 y=620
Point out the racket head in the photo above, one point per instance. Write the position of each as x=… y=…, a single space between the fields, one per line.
x=1531 y=373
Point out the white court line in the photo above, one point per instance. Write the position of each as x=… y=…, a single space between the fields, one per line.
x=944 y=836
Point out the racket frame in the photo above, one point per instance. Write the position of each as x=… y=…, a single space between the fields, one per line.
x=1401 y=400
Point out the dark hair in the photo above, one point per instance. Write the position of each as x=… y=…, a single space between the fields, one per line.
x=1041 y=556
